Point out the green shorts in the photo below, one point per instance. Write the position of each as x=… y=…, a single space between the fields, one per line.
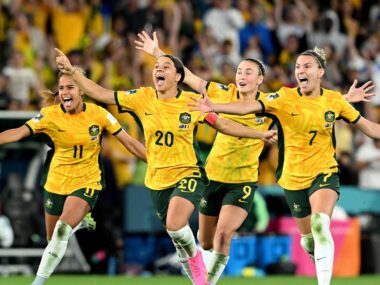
x=298 y=200
x=190 y=188
x=219 y=194
x=53 y=203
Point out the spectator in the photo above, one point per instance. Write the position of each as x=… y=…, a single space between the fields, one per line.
x=329 y=33
x=291 y=19
x=258 y=29
x=288 y=54
x=4 y=95
x=65 y=16
x=333 y=78
x=226 y=56
x=28 y=39
x=224 y=21
x=21 y=81
x=368 y=164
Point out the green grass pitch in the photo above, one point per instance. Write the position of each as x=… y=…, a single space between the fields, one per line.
x=123 y=280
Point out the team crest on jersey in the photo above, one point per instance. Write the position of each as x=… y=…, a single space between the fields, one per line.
x=129 y=92
x=223 y=87
x=185 y=118
x=272 y=96
x=37 y=118
x=329 y=116
x=94 y=130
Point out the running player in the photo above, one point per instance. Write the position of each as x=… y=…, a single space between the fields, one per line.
x=308 y=169
x=72 y=176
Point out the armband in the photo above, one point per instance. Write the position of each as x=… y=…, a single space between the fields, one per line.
x=211 y=118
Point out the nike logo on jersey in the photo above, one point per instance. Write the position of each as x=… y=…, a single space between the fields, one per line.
x=294 y=114
x=323 y=185
x=321 y=258
x=148 y=114
x=61 y=131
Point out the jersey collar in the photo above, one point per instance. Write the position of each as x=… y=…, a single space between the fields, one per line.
x=256 y=97
x=64 y=111
x=179 y=91
x=299 y=91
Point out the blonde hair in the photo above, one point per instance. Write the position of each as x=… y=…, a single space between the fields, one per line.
x=49 y=98
x=319 y=55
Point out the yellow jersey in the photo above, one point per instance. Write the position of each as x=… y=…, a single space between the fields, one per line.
x=124 y=170
x=169 y=130
x=73 y=162
x=306 y=138
x=234 y=159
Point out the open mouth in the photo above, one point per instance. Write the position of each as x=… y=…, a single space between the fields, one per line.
x=303 y=81
x=160 y=80
x=67 y=101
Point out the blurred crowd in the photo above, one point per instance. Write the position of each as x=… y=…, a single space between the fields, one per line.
x=211 y=37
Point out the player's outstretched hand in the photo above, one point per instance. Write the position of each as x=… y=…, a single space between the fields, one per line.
x=204 y=105
x=148 y=44
x=358 y=94
x=63 y=63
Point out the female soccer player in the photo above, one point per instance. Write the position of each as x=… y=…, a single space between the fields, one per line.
x=307 y=169
x=232 y=164
x=175 y=174
x=72 y=176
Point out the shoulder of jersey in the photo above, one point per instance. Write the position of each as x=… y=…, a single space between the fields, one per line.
x=188 y=94
x=288 y=90
x=93 y=106
x=332 y=94
x=53 y=109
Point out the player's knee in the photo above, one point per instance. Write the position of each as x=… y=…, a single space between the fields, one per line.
x=62 y=231
x=320 y=227
x=223 y=237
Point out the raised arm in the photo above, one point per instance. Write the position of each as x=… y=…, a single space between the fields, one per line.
x=133 y=145
x=231 y=128
x=369 y=128
x=238 y=108
x=151 y=47
x=89 y=87
x=14 y=135
x=358 y=94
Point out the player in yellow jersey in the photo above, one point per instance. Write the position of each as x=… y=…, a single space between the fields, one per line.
x=308 y=169
x=232 y=165
x=72 y=176
x=175 y=174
